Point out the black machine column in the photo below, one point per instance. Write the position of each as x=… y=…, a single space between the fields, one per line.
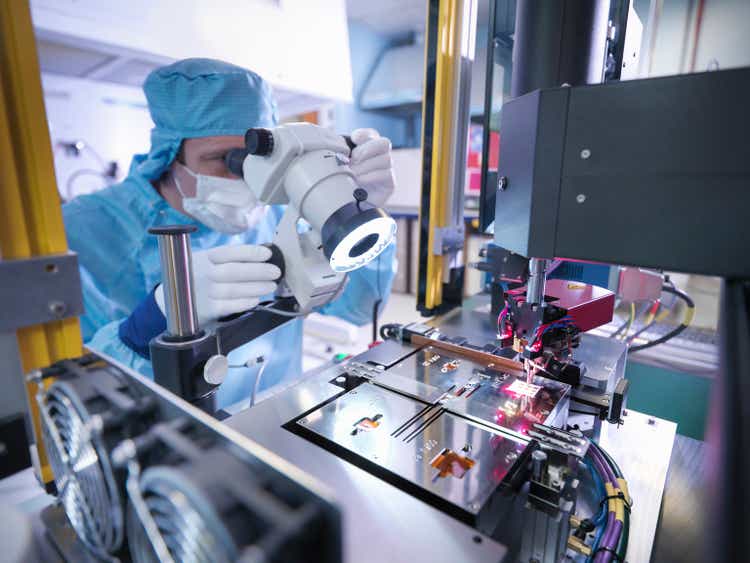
x=556 y=43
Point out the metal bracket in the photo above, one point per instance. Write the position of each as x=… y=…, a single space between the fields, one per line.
x=448 y=240
x=39 y=290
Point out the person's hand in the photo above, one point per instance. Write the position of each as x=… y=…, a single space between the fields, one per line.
x=372 y=165
x=229 y=279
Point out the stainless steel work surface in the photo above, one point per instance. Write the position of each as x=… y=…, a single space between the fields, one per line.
x=478 y=391
x=642 y=447
x=447 y=457
x=380 y=522
x=377 y=515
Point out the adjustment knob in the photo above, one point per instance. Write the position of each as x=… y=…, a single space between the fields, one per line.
x=259 y=142
x=215 y=370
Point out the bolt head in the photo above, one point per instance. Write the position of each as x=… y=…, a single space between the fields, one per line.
x=580 y=198
x=502 y=183
x=57 y=308
x=585 y=154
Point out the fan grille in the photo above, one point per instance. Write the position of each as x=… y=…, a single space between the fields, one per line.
x=83 y=476
x=186 y=522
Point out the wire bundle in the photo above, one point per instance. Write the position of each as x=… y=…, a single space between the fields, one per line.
x=657 y=312
x=613 y=519
x=564 y=322
x=518 y=297
x=689 y=313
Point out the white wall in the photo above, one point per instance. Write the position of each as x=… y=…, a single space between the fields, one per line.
x=113 y=119
x=300 y=45
x=678 y=45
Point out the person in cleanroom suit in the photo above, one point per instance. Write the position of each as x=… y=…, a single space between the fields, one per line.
x=201 y=109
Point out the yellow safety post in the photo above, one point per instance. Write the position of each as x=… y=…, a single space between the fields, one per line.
x=30 y=215
x=447 y=68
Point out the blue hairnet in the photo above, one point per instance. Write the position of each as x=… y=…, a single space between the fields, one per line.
x=201 y=98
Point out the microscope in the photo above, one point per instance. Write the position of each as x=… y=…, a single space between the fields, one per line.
x=328 y=229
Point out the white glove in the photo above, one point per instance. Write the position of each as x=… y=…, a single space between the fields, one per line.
x=228 y=280
x=372 y=165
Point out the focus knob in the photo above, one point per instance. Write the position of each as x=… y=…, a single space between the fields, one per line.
x=215 y=370
x=259 y=142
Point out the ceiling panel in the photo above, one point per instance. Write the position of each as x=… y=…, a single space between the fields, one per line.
x=69 y=60
x=391 y=17
x=388 y=17
x=131 y=72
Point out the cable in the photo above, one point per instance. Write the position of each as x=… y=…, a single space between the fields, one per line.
x=77 y=174
x=385 y=331
x=280 y=312
x=292 y=314
x=376 y=305
x=611 y=541
x=689 y=313
x=655 y=316
x=627 y=324
x=256 y=385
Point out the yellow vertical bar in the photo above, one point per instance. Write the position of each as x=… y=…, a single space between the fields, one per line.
x=448 y=64
x=30 y=213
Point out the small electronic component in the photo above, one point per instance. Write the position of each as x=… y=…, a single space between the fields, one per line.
x=450 y=464
x=365 y=424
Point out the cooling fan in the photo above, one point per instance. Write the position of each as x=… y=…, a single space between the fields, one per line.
x=201 y=502
x=83 y=418
x=142 y=479
x=174 y=521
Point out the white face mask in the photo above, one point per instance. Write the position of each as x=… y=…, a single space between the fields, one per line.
x=222 y=204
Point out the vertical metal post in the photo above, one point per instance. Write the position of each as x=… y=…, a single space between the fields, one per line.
x=30 y=216
x=449 y=52
x=177 y=280
x=537 y=281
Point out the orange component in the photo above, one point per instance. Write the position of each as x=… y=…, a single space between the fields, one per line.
x=366 y=424
x=449 y=463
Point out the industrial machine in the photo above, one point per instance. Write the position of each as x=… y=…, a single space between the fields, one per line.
x=135 y=473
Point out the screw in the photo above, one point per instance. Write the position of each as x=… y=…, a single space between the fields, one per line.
x=34 y=376
x=651 y=421
x=303 y=421
x=360 y=194
x=585 y=154
x=580 y=198
x=57 y=308
x=502 y=183
x=474 y=506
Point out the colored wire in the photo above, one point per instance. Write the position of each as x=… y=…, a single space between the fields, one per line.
x=689 y=313
x=601 y=519
x=627 y=324
x=614 y=541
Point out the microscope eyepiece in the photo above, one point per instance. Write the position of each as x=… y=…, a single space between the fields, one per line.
x=259 y=142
